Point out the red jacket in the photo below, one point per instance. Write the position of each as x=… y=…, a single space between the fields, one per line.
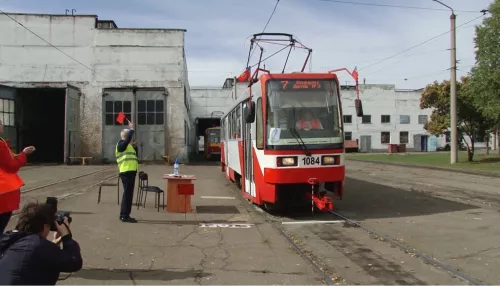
x=315 y=124
x=10 y=182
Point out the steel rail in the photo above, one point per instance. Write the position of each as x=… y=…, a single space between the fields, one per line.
x=426 y=257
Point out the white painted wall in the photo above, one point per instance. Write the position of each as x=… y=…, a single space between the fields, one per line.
x=207 y=100
x=381 y=100
x=120 y=57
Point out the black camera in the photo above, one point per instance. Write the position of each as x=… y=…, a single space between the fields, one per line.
x=52 y=202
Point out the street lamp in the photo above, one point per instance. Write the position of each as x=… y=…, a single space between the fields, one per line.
x=453 y=85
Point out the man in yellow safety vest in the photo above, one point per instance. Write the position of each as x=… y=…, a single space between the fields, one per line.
x=126 y=157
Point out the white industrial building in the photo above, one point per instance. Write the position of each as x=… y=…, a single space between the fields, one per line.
x=66 y=95
x=390 y=116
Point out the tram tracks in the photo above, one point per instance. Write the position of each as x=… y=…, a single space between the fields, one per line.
x=386 y=272
x=65 y=180
x=68 y=187
x=409 y=249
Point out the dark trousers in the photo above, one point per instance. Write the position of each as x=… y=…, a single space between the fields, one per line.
x=128 y=181
x=4 y=221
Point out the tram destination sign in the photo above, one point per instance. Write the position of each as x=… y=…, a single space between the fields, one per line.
x=303 y=84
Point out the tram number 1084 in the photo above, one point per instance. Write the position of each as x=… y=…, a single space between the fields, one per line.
x=311 y=161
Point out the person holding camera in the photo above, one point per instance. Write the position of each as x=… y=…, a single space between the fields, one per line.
x=27 y=257
x=10 y=182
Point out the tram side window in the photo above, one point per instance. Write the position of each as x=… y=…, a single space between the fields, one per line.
x=260 y=127
x=221 y=130
x=233 y=125
x=238 y=121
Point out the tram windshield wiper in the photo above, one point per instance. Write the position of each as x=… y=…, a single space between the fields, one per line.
x=297 y=137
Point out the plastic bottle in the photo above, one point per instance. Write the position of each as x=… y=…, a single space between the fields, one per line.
x=176 y=167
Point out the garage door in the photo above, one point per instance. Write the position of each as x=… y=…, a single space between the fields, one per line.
x=151 y=124
x=8 y=114
x=115 y=102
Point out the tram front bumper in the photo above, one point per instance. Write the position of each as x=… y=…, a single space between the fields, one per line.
x=302 y=175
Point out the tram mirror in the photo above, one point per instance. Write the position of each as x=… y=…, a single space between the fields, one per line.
x=250 y=112
x=359 y=107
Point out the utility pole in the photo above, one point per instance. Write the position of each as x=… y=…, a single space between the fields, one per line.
x=453 y=86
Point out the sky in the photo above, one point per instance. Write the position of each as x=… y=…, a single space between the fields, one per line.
x=341 y=34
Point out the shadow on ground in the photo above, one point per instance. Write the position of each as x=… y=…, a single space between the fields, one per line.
x=217 y=210
x=137 y=274
x=364 y=200
x=189 y=222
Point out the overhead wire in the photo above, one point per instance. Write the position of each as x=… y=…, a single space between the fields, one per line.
x=395 y=6
x=419 y=44
x=50 y=44
x=267 y=23
x=440 y=72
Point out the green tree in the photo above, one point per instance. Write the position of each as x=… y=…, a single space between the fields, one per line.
x=470 y=121
x=485 y=76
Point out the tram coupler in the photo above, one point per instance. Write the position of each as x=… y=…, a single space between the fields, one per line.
x=319 y=199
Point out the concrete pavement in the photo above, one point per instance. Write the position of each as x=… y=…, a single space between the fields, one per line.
x=218 y=247
x=165 y=248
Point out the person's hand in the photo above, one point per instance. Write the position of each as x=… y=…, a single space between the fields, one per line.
x=29 y=150
x=131 y=125
x=62 y=229
x=133 y=143
x=57 y=238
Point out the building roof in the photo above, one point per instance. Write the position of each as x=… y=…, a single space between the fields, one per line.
x=96 y=17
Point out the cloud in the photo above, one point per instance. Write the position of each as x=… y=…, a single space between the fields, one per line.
x=341 y=35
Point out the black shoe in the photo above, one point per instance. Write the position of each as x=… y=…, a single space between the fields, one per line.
x=128 y=219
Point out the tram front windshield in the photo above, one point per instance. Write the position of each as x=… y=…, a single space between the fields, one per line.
x=213 y=136
x=303 y=111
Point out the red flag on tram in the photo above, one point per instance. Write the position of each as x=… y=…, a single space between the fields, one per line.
x=355 y=75
x=244 y=76
x=120 y=117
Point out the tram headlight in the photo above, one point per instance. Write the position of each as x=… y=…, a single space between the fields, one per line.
x=329 y=160
x=286 y=161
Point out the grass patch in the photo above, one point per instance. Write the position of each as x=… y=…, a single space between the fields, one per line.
x=482 y=162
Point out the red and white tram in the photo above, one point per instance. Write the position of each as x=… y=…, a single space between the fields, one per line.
x=284 y=144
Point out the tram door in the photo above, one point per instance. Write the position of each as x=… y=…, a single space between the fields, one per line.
x=247 y=146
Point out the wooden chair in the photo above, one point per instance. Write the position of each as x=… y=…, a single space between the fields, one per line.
x=144 y=188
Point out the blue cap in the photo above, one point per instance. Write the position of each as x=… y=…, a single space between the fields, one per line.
x=176 y=160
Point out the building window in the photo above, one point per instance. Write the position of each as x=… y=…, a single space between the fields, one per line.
x=385 y=119
x=112 y=108
x=347 y=135
x=479 y=139
x=403 y=137
x=366 y=119
x=447 y=136
x=259 y=125
x=7 y=108
x=385 y=137
x=347 y=118
x=422 y=119
x=404 y=119
x=150 y=112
